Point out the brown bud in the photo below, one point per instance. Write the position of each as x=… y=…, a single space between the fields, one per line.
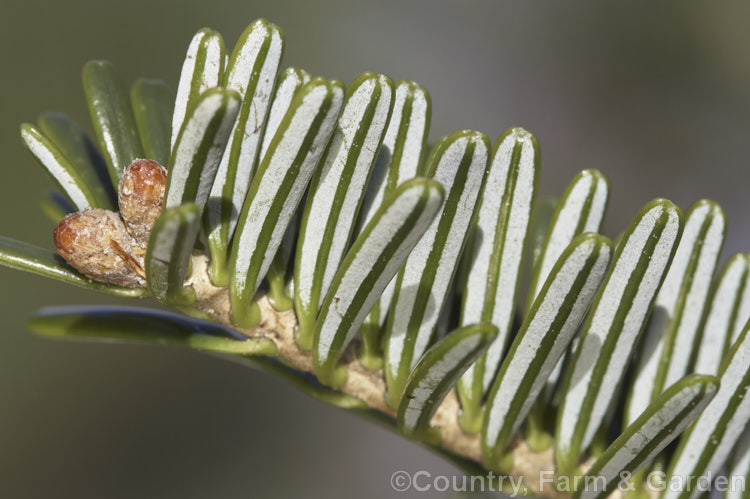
x=97 y=244
x=141 y=194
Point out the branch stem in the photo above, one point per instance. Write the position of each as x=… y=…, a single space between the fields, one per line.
x=367 y=385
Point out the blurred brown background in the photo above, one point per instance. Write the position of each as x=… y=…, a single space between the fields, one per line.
x=656 y=95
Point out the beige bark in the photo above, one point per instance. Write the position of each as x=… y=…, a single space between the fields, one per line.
x=368 y=386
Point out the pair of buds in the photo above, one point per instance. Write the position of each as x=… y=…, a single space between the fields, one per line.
x=111 y=247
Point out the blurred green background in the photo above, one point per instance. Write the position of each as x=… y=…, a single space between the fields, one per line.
x=655 y=94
